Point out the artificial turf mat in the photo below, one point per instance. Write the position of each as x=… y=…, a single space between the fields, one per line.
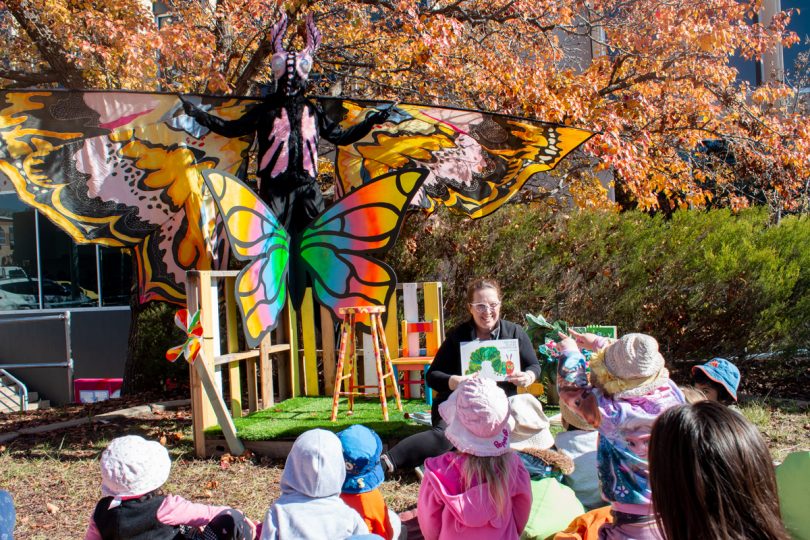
x=290 y=418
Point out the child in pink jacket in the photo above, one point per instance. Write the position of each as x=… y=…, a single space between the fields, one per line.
x=133 y=506
x=481 y=490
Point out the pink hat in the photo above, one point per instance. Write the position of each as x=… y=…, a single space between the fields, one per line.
x=477 y=416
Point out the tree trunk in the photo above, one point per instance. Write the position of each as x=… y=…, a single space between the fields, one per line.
x=130 y=384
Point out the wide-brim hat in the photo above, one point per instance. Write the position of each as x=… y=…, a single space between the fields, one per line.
x=629 y=367
x=477 y=416
x=634 y=356
x=573 y=419
x=529 y=424
x=361 y=453
x=722 y=372
x=132 y=466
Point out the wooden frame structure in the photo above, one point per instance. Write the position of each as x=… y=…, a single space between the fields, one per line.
x=295 y=344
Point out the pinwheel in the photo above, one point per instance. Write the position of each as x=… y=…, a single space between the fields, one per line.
x=191 y=348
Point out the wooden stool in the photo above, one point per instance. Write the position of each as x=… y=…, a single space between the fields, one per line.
x=347 y=342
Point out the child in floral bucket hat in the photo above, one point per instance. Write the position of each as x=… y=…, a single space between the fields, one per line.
x=718 y=379
x=362 y=448
x=628 y=388
x=481 y=490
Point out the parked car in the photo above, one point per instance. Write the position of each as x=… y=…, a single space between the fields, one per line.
x=54 y=295
x=10 y=272
x=92 y=295
x=16 y=294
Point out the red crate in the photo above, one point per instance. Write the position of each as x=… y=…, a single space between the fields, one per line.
x=93 y=390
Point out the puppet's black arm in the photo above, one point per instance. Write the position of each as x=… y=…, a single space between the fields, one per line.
x=336 y=134
x=227 y=128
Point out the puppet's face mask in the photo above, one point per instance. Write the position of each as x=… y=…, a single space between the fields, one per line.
x=291 y=68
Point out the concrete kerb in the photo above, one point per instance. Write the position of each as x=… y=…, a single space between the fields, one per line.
x=131 y=412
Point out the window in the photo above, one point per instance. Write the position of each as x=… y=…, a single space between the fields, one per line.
x=60 y=273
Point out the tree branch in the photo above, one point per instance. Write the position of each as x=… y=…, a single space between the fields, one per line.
x=49 y=45
x=29 y=79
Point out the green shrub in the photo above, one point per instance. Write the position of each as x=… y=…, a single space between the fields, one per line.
x=155 y=334
x=704 y=283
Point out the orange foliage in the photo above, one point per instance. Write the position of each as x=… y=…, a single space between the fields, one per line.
x=660 y=84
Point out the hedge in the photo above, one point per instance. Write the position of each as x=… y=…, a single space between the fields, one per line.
x=705 y=283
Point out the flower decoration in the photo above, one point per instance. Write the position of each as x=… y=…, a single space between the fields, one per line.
x=193 y=329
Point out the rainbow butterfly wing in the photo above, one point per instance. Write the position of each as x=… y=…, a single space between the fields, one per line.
x=336 y=248
x=256 y=236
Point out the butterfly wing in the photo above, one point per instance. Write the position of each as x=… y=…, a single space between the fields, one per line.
x=121 y=169
x=255 y=235
x=337 y=248
x=476 y=160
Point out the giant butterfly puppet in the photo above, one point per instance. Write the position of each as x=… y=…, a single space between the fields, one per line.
x=124 y=169
x=288 y=126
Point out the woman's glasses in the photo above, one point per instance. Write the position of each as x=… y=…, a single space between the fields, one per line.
x=483 y=307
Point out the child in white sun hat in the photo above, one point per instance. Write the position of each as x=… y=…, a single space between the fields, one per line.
x=554 y=505
x=629 y=387
x=481 y=490
x=133 y=506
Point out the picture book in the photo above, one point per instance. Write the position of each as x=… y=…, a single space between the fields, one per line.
x=494 y=359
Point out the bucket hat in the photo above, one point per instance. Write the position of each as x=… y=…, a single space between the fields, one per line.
x=529 y=425
x=361 y=453
x=722 y=372
x=629 y=367
x=132 y=466
x=477 y=416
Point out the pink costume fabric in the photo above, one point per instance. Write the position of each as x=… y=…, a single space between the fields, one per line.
x=447 y=511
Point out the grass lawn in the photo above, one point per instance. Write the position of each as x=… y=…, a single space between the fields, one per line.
x=290 y=418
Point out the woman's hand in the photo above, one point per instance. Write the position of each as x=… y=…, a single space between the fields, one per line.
x=521 y=378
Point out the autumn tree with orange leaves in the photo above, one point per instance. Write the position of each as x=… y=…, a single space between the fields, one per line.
x=676 y=127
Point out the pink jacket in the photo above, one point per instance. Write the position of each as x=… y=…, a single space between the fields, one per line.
x=447 y=511
x=175 y=510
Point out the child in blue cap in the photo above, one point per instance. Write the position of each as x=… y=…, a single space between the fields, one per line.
x=718 y=379
x=364 y=474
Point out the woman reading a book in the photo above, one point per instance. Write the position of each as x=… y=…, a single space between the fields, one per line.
x=445 y=374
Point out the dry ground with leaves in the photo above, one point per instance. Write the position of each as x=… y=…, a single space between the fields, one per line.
x=54 y=476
